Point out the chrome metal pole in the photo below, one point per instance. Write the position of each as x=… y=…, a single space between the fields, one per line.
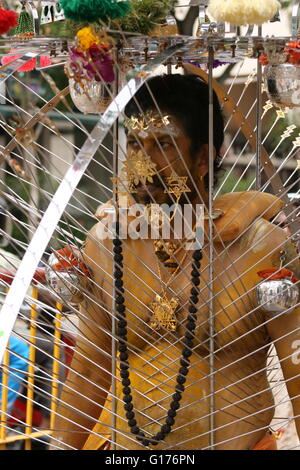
x=114 y=310
x=258 y=121
x=211 y=152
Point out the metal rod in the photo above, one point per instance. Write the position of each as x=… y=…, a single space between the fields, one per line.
x=30 y=382
x=258 y=120
x=211 y=249
x=4 y=401
x=114 y=292
x=56 y=365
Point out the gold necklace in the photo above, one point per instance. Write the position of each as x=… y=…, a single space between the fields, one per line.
x=166 y=251
x=165 y=309
x=156 y=216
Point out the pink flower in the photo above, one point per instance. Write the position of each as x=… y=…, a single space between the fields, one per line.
x=95 y=64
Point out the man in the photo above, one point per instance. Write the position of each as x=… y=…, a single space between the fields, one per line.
x=192 y=357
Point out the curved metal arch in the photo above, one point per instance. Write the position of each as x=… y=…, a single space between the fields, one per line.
x=250 y=135
x=65 y=191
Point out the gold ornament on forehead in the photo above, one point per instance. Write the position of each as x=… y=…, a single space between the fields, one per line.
x=151 y=122
x=177 y=185
x=164 y=313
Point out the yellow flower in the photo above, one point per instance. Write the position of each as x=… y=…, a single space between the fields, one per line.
x=87 y=37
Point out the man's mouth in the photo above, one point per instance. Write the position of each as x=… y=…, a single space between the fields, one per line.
x=149 y=187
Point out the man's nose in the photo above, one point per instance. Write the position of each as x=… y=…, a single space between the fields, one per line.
x=156 y=155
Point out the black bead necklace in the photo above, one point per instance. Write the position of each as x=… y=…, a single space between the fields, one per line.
x=122 y=345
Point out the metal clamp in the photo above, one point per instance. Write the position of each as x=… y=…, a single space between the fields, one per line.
x=35 y=17
x=58 y=12
x=295 y=18
x=46 y=14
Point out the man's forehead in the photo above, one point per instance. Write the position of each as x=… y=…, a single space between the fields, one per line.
x=146 y=135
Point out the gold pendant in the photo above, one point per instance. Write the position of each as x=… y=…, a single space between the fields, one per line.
x=164 y=313
x=177 y=185
x=139 y=168
x=165 y=253
x=171 y=264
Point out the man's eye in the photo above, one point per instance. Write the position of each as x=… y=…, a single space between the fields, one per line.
x=165 y=145
x=132 y=143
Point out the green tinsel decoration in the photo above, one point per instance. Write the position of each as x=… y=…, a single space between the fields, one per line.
x=145 y=15
x=91 y=11
x=25 y=25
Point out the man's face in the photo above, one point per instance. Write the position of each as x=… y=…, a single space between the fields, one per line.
x=160 y=150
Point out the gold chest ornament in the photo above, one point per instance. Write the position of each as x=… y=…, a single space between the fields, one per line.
x=164 y=313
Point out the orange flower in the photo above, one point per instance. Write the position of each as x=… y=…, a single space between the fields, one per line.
x=263 y=59
x=274 y=273
x=68 y=261
x=294 y=44
x=294 y=57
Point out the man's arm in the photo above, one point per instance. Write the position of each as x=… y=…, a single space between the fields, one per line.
x=285 y=333
x=85 y=389
x=284 y=329
x=88 y=382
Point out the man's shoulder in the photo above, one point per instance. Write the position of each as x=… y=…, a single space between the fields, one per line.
x=270 y=244
x=262 y=235
x=239 y=211
x=98 y=241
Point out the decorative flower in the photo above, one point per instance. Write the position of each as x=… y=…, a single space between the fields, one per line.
x=8 y=20
x=87 y=38
x=263 y=59
x=290 y=55
x=68 y=259
x=274 y=273
x=294 y=55
x=242 y=12
x=95 y=10
x=101 y=67
x=94 y=63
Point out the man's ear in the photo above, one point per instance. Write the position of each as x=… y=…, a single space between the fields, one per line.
x=202 y=160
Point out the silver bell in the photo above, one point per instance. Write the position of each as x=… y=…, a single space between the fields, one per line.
x=65 y=283
x=276 y=296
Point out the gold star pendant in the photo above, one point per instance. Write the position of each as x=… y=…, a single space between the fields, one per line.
x=177 y=185
x=164 y=313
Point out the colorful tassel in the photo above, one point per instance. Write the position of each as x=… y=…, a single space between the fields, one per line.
x=8 y=20
x=91 y=11
x=29 y=65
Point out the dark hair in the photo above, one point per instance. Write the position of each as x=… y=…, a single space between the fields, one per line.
x=186 y=97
